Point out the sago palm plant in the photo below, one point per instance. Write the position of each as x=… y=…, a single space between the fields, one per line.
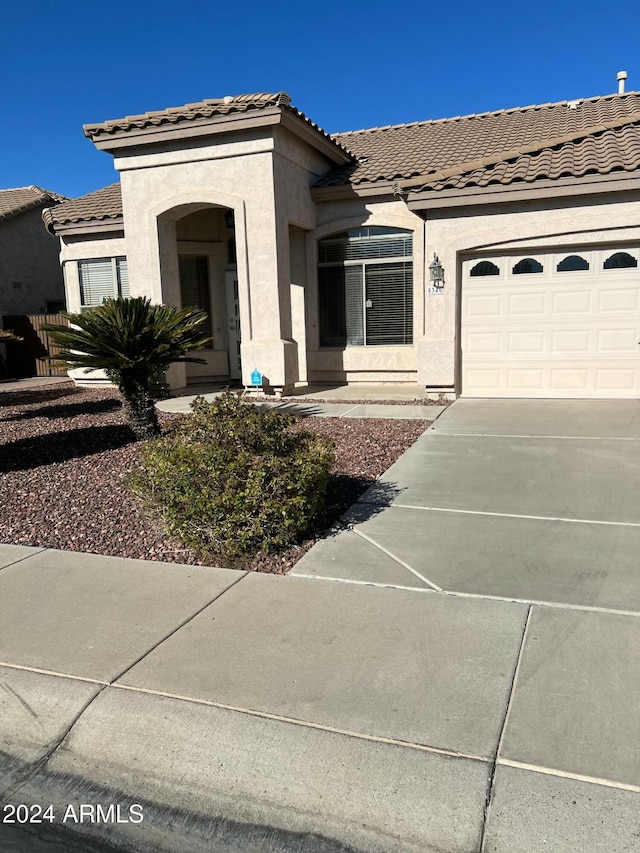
x=134 y=342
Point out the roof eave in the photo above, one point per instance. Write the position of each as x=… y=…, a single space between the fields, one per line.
x=363 y=190
x=86 y=226
x=214 y=125
x=521 y=191
x=26 y=208
x=315 y=137
x=170 y=131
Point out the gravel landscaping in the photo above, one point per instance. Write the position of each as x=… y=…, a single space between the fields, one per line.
x=64 y=452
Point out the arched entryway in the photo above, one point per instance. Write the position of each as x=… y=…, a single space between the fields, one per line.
x=198 y=268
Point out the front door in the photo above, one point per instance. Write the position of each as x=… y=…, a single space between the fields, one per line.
x=233 y=324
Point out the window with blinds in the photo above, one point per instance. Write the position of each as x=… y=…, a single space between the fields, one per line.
x=102 y=278
x=365 y=285
x=194 y=286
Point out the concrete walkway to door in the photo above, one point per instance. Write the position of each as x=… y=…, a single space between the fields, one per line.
x=533 y=504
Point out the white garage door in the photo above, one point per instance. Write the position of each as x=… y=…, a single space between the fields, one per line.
x=557 y=324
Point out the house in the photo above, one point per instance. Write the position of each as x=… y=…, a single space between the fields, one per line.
x=31 y=280
x=30 y=277
x=491 y=255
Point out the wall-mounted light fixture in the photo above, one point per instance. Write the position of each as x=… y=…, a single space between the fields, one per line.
x=436 y=274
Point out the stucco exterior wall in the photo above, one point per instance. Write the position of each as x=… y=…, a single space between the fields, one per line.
x=28 y=258
x=168 y=188
x=517 y=228
x=264 y=178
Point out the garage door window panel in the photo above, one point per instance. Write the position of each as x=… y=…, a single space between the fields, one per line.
x=527 y=266
x=484 y=268
x=620 y=260
x=573 y=263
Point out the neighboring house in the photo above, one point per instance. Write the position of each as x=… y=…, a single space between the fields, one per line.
x=313 y=254
x=31 y=281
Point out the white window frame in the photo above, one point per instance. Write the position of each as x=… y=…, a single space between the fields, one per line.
x=363 y=263
x=119 y=279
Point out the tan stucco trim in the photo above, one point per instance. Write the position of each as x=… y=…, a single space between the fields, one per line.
x=206 y=198
x=139 y=136
x=232 y=123
x=559 y=188
x=345 y=191
x=587 y=239
x=314 y=138
x=488 y=244
x=91 y=226
x=391 y=219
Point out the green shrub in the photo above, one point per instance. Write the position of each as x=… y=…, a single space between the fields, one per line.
x=232 y=480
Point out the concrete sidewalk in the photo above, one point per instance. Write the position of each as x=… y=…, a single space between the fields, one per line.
x=182 y=405
x=456 y=673
x=249 y=712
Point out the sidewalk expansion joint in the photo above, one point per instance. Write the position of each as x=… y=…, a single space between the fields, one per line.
x=396 y=559
x=54 y=673
x=504 y=514
x=378 y=584
x=178 y=628
x=565 y=774
x=505 y=719
x=26 y=557
x=10 y=793
x=103 y=685
x=352 y=409
x=265 y=715
x=524 y=435
x=583 y=608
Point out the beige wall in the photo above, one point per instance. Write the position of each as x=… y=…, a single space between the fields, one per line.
x=156 y=196
x=265 y=179
x=28 y=258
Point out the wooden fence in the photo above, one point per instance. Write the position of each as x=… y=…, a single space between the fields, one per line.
x=29 y=356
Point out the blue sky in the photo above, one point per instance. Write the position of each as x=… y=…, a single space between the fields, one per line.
x=346 y=65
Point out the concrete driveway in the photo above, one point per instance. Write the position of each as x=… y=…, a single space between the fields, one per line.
x=459 y=672
x=535 y=503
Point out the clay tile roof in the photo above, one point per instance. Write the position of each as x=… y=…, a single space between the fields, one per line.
x=21 y=199
x=189 y=112
x=599 y=153
x=101 y=205
x=202 y=111
x=415 y=151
